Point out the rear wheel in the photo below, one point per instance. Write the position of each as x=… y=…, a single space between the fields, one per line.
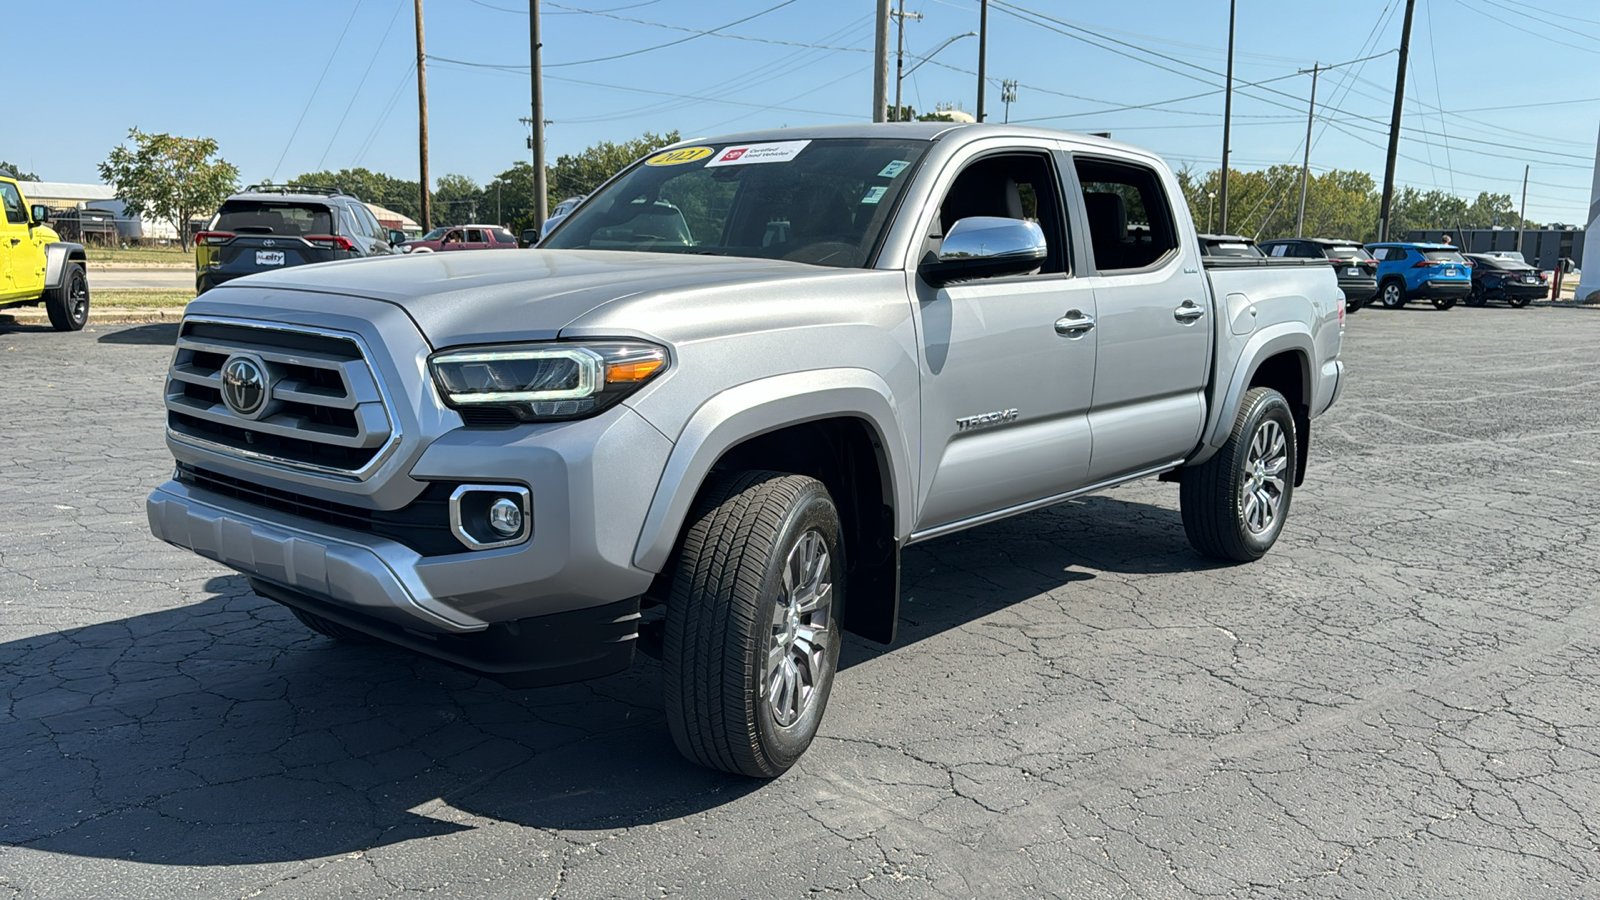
x=1518 y=302
x=752 y=632
x=1351 y=306
x=1235 y=503
x=1392 y=295
x=1476 y=298
x=68 y=302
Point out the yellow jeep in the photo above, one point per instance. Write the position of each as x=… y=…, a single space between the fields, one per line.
x=36 y=265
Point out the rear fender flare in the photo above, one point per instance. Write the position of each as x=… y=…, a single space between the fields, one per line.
x=758 y=407
x=1263 y=345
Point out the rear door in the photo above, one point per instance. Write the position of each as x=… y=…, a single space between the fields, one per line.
x=1008 y=362
x=1153 y=322
x=252 y=236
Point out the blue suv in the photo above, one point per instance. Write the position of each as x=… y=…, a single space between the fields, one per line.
x=1406 y=272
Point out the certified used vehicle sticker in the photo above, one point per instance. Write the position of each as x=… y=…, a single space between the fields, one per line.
x=894 y=168
x=750 y=154
x=875 y=194
x=679 y=156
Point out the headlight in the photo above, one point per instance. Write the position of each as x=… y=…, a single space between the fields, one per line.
x=546 y=382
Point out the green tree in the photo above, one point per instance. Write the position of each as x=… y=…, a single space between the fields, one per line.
x=457 y=199
x=511 y=193
x=372 y=187
x=17 y=172
x=169 y=178
x=578 y=174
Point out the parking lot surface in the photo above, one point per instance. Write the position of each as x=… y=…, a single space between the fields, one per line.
x=1398 y=701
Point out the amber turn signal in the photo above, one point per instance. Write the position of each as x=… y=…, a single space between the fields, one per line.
x=632 y=372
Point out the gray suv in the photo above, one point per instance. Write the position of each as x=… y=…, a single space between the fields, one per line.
x=268 y=227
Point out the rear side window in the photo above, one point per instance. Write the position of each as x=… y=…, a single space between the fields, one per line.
x=1130 y=220
x=263 y=217
x=502 y=236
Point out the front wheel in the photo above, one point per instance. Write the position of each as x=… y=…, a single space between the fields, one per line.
x=752 y=632
x=1235 y=503
x=1392 y=295
x=1443 y=303
x=67 y=303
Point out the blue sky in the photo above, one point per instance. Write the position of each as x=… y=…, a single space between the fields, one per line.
x=1516 y=78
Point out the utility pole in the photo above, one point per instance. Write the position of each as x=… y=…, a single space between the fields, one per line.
x=900 y=58
x=1522 y=212
x=1305 y=167
x=983 y=51
x=1227 y=119
x=1008 y=95
x=422 y=122
x=1394 y=124
x=541 y=199
x=880 y=65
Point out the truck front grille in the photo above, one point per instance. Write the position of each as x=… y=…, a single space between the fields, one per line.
x=324 y=410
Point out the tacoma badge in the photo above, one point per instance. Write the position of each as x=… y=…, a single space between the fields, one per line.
x=998 y=417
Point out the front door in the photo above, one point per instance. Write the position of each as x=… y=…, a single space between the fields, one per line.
x=15 y=243
x=1154 y=322
x=1007 y=363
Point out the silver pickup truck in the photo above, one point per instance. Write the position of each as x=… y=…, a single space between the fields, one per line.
x=705 y=416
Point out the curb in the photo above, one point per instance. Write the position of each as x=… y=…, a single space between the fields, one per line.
x=97 y=316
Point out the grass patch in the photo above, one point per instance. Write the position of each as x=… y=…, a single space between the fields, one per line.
x=170 y=255
x=141 y=299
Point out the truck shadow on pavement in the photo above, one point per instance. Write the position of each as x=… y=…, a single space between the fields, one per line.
x=224 y=733
x=158 y=334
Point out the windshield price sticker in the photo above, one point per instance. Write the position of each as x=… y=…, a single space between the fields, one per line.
x=751 y=154
x=679 y=156
x=894 y=168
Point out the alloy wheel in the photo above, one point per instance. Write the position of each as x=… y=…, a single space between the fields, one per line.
x=801 y=619
x=1261 y=489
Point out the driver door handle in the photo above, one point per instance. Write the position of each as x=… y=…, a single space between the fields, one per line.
x=1188 y=312
x=1074 y=324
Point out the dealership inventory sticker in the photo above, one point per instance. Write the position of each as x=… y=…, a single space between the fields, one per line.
x=679 y=156
x=750 y=154
x=875 y=194
x=893 y=169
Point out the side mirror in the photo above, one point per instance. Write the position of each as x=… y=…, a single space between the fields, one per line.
x=987 y=247
x=40 y=212
x=396 y=235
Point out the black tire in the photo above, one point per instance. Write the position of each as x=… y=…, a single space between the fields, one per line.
x=1213 y=494
x=731 y=620
x=1518 y=302
x=1476 y=298
x=68 y=302
x=331 y=629
x=1443 y=303
x=1351 y=306
x=1392 y=294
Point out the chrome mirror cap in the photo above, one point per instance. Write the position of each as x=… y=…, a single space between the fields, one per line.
x=993 y=237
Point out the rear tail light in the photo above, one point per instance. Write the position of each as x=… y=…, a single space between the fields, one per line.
x=213 y=237
x=330 y=241
x=1427 y=264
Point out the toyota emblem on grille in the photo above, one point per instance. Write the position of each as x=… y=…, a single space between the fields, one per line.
x=244 y=385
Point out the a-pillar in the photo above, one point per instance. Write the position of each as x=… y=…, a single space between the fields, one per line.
x=1589 y=284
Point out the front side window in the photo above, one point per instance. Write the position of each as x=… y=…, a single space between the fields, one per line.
x=825 y=202
x=12 y=197
x=1130 y=220
x=1011 y=186
x=268 y=217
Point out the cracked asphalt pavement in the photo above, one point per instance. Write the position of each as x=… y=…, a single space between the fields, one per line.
x=1400 y=700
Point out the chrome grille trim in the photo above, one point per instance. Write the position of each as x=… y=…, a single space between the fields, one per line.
x=346 y=386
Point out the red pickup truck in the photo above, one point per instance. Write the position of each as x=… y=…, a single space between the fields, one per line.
x=462 y=237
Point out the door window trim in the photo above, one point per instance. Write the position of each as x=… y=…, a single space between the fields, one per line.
x=1165 y=260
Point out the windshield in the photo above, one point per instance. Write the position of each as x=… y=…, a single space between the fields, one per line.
x=825 y=202
x=259 y=217
x=434 y=235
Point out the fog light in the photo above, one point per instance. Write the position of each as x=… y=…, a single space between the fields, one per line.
x=505 y=517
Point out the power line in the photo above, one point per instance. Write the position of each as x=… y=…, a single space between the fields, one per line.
x=336 y=45
x=399 y=6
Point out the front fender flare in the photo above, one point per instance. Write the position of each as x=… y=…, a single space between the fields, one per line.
x=1263 y=345
x=758 y=407
x=56 y=257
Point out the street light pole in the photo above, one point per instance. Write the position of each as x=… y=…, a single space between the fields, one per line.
x=900 y=58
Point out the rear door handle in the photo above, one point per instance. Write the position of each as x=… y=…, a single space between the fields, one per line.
x=1074 y=324
x=1188 y=312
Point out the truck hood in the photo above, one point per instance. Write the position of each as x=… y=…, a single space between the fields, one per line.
x=478 y=297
